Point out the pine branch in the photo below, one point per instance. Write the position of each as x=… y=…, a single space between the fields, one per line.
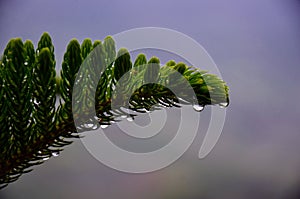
x=32 y=129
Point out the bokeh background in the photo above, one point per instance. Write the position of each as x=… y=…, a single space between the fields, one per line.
x=256 y=46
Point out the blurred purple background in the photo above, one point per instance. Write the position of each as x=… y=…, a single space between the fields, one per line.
x=256 y=46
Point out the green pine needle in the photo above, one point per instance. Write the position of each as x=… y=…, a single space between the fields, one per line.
x=33 y=129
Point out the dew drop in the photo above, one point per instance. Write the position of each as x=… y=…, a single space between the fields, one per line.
x=88 y=125
x=26 y=63
x=198 y=107
x=55 y=154
x=103 y=126
x=94 y=127
x=145 y=110
x=130 y=119
x=35 y=102
x=183 y=100
x=223 y=104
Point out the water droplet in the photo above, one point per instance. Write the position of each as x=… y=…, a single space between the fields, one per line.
x=39 y=152
x=26 y=63
x=145 y=110
x=130 y=119
x=103 y=126
x=223 y=104
x=113 y=87
x=55 y=154
x=94 y=127
x=88 y=125
x=35 y=102
x=46 y=158
x=183 y=100
x=143 y=98
x=198 y=107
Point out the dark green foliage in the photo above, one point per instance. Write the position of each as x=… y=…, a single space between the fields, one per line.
x=46 y=42
x=105 y=74
x=32 y=128
x=17 y=108
x=18 y=88
x=86 y=48
x=57 y=88
x=152 y=70
x=88 y=81
x=110 y=49
x=171 y=63
x=96 y=43
x=29 y=49
x=140 y=60
x=70 y=66
x=122 y=64
x=180 y=67
x=44 y=94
